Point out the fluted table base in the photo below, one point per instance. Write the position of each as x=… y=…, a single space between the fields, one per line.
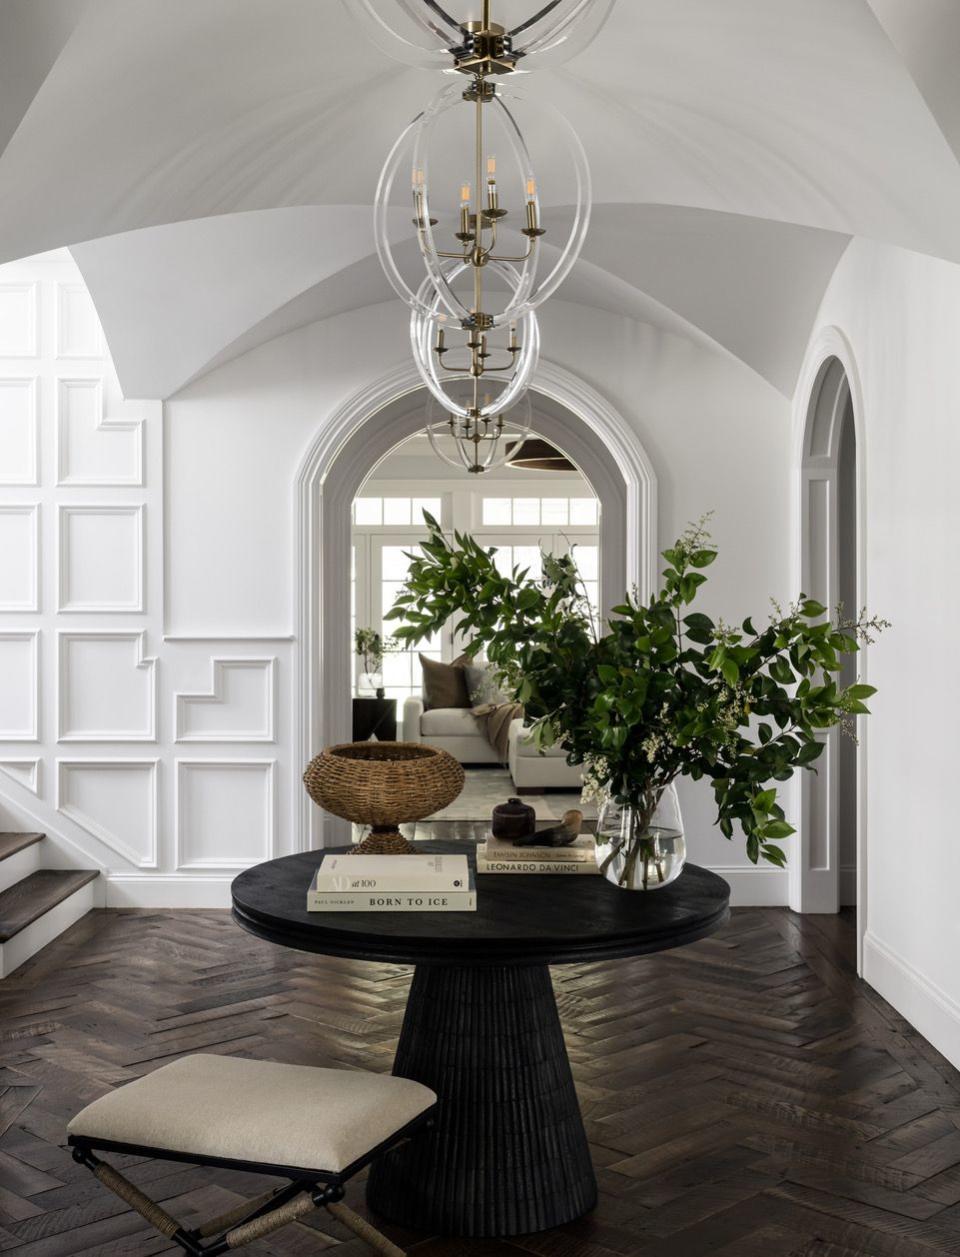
x=508 y=1153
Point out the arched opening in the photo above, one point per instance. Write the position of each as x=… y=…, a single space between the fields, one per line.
x=829 y=872
x=568 y=414
x=427 y=692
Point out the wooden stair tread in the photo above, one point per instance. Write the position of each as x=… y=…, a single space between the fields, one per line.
x=11 y=843
x=28 y=900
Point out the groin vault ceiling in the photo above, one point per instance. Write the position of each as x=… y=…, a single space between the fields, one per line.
x=212 y=165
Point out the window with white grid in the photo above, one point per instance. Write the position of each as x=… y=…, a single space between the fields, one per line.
x=526 y=512
x=394 y=512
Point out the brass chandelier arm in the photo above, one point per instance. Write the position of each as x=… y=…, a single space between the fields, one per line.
x=507 y=366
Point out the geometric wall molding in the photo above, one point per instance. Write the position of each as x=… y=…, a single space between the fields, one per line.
x=224 y=798
x=106 y=688
x=240 y=707
x=92 y=449
x=19 y=557
x=19 y=441
x=100 y=558
x=79 y=334
x=19 y=686
x=25 y=772
x=19 y=319
x=115 y=800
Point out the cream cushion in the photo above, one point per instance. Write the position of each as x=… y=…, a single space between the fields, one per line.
x=449 y=722
x=223 y=1106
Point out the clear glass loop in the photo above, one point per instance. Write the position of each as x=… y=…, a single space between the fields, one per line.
x=429 y=33
x=511 y=372
x=415 y=145
x=464 y=445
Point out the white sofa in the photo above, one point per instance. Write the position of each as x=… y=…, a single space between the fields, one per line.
x=455 y=729
x=532 y=769
x=452 y=729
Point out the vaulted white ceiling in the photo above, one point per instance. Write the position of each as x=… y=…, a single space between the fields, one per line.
x=213 y=164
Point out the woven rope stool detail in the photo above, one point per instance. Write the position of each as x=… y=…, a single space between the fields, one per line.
x=314 y=1127
x=383 y=784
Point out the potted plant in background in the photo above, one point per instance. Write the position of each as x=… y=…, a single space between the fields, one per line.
x=664 y=692
x=368 y=647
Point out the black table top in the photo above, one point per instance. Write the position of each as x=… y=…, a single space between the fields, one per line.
x=520 y=919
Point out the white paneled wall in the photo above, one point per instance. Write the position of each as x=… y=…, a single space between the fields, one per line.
x=148 y=561
x=155 y=758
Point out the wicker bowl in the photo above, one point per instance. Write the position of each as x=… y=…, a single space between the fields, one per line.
x=383 y=784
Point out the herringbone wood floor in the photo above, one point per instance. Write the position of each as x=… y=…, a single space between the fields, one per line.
x=745 y=1097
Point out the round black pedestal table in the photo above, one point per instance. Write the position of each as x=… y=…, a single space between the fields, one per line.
x=508 y=1153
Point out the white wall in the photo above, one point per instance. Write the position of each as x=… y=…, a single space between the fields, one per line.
x=718 y=435
x=900 y=313
x=195 y=700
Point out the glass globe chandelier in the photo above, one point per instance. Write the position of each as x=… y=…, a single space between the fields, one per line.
x=476 y=266
x=425 y=33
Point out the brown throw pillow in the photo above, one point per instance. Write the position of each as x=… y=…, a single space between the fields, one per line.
x=444 y=684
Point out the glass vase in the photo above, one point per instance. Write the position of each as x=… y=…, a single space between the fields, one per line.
x=368 y=684
x=637 y=857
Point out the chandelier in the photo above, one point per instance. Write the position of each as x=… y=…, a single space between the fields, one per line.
x=461 y=224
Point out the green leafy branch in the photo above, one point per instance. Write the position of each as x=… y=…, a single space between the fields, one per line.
x=666 y=691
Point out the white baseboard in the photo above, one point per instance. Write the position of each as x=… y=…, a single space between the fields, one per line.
x=762 y=886
x=928 y=1008
x=153 y=890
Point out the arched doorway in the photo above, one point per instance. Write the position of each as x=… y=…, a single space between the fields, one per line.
x=829 y=869
x=571 y=415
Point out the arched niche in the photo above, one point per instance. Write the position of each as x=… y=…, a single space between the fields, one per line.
x=828 y=864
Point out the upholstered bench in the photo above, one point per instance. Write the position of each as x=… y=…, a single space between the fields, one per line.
x=314 y=1127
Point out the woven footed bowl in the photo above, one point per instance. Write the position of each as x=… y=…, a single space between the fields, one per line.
x=383 y=783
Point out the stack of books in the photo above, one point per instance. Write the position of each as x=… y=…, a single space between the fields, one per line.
x=497 y=856
x=393 y=883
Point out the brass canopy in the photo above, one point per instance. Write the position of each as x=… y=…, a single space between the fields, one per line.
x=486 y=50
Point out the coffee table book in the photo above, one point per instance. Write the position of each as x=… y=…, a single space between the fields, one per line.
x=408 y=883
x=539 y=859
x=563 y=868
x=393 y=900
x=391 y=872
x=582 y=850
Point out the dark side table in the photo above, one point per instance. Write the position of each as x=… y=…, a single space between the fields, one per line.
x=508 y=1153
x=375 y=717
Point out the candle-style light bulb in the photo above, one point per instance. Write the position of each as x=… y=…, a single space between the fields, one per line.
x=465 y=234
x=533 y=228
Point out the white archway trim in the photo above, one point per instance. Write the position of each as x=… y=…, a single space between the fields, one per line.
x=314 y=720
x=829 y=343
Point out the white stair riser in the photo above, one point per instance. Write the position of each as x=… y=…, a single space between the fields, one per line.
x=20 y=865
x=46 y=928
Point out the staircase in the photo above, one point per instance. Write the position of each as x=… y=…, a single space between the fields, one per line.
x=36 y=903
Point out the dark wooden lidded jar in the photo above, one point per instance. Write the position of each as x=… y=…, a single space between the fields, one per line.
x=513 y=819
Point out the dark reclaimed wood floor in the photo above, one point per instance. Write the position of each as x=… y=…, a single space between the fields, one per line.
x=745 y=1097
